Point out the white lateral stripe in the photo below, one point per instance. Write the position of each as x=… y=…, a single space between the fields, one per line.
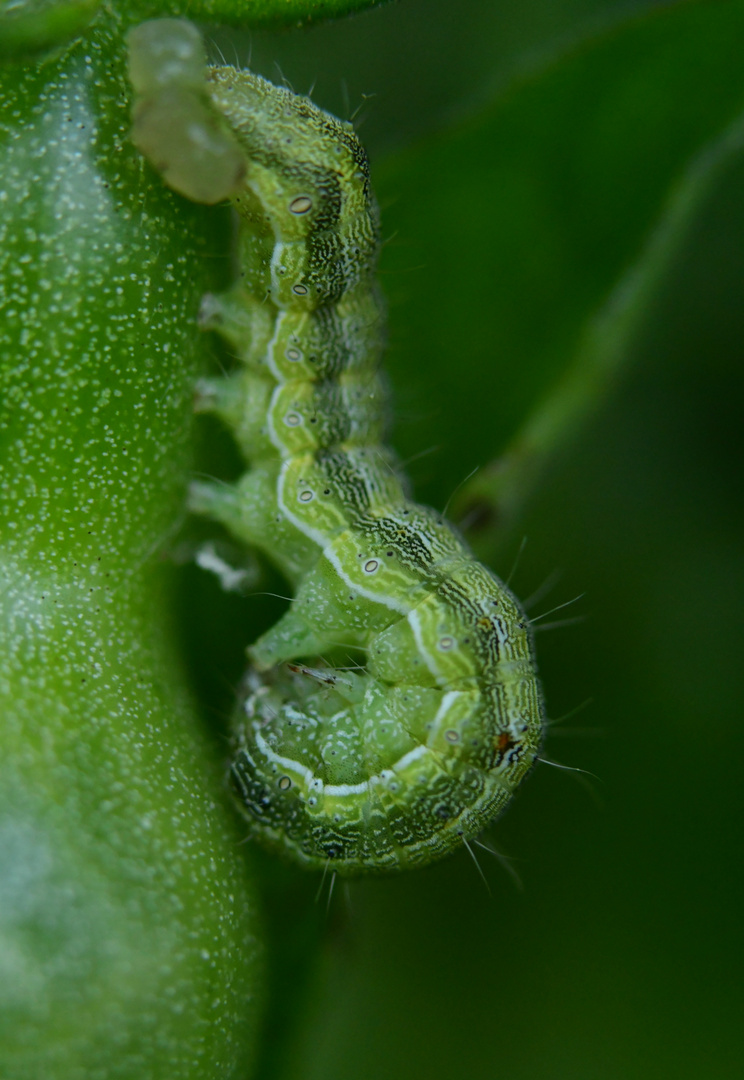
x=346 y=789
x=315 y=535
x=338 y=790
x=412 y=755
x=276 y=260
x=272 y=346
x=386 y=601
x=276 y=442
x=286 y=763
x=415 y=624
x=448 y=700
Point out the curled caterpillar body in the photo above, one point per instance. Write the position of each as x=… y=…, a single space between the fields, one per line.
x=391 y=758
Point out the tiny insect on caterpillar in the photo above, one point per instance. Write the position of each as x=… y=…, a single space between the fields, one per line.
x=398 y=756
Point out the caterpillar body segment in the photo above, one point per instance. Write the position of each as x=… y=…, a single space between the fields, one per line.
x=393 y=710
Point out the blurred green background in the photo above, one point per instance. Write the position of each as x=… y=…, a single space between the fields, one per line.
x=524 y=153
x=562 y=186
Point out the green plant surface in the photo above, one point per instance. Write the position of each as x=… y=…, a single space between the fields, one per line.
x=29 y=27
x=129 y=941
x=265 y=13
x=561 y=192
x=567 y=198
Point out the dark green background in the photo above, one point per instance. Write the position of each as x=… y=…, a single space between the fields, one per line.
x=622 y=956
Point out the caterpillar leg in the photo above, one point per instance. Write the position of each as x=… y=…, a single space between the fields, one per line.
x=241 y=508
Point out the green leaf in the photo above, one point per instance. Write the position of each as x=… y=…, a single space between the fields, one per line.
x=29 y=26
x=545 y=207
x=252 y=13
x=128 y=927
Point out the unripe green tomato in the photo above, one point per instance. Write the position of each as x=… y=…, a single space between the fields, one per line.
x=128 y=929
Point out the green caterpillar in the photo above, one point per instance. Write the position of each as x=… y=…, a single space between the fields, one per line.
x=392 y=759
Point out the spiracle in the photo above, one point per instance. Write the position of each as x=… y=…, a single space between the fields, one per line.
x=394 y=708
